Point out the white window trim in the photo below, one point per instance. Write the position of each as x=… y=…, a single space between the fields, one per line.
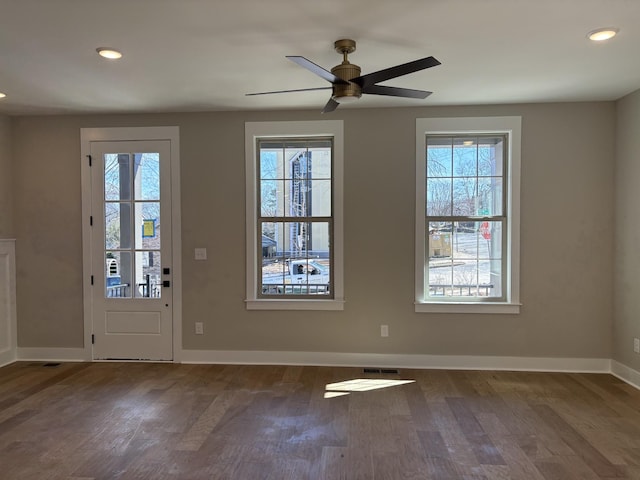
x=321 y=128
x=171 y=133
x=471 y=125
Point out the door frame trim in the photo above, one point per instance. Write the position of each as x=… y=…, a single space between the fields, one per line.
x=171 y=133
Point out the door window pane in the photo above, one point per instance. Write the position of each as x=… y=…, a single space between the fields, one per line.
x=147 y=176
x=117 y=224
x=117 y=274
x=148 y=280
x=147 y=225
x=117 y=176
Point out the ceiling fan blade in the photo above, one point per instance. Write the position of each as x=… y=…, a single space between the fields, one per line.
x=397 y=71
x=288 y=91
x=396 y=92
x=317 y=69
x=330 y=106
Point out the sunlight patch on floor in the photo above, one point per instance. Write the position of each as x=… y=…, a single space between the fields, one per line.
x=360 y=385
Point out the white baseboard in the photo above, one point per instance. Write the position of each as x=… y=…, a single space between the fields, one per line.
x=52 y=354
x=452 y=362
x=628 y=374
x=7 y=357
x=449 y=362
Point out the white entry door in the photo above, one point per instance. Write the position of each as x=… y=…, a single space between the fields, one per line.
x=131 y=250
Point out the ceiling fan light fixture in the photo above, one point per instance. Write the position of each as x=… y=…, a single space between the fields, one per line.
x=602 y=34
x=346 y=92
x=346 y=98
x=109 y=53
x=3 y=95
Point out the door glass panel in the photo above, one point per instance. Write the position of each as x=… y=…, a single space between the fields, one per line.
x=117 y=225
x=148 y=282
x=117 y=274
x=147 y=176
x=147 y=225
x=132 y=225
x=117 y=176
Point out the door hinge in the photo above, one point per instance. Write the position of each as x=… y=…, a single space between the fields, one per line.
x=91 y=279
x=90 y=162
x=93 y=339
x=91 y=220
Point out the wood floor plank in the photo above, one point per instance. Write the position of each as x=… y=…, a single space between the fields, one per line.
x=518 y=460
x=200 y=431
x=333 y=464
x=581 y=447
x=203 y=422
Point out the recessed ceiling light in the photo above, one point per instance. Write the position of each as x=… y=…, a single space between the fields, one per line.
x=109 y=53
x=602 y=34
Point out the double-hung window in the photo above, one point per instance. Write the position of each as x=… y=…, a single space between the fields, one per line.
x=467 y=214
x=294 y=215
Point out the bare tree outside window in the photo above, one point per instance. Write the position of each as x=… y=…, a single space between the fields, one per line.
x=465 y=215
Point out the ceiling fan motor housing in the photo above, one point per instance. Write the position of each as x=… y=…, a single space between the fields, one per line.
x=346 y=71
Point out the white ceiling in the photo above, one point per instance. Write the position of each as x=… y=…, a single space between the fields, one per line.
x=204 y=55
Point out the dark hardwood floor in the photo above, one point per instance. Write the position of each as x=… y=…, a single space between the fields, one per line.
x=161 y=421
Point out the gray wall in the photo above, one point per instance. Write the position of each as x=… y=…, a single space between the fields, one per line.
x=627 y=255
x=6 y=211
x=567 y=236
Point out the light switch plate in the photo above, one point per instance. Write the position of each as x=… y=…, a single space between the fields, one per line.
x=201 y=254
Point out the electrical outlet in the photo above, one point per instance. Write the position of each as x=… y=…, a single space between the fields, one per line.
x=384 y=330
x=636 y=345
x=199 y=328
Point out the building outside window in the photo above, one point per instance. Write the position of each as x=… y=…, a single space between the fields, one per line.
x=294 y=220
x=294 y=215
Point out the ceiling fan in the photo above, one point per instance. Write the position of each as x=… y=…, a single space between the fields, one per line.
x=347 y=83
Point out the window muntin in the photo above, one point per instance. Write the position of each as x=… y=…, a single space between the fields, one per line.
x=294 y=221
x=465 y=217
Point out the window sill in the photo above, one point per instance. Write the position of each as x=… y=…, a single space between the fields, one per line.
x=477 y=308
x=268 y=304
